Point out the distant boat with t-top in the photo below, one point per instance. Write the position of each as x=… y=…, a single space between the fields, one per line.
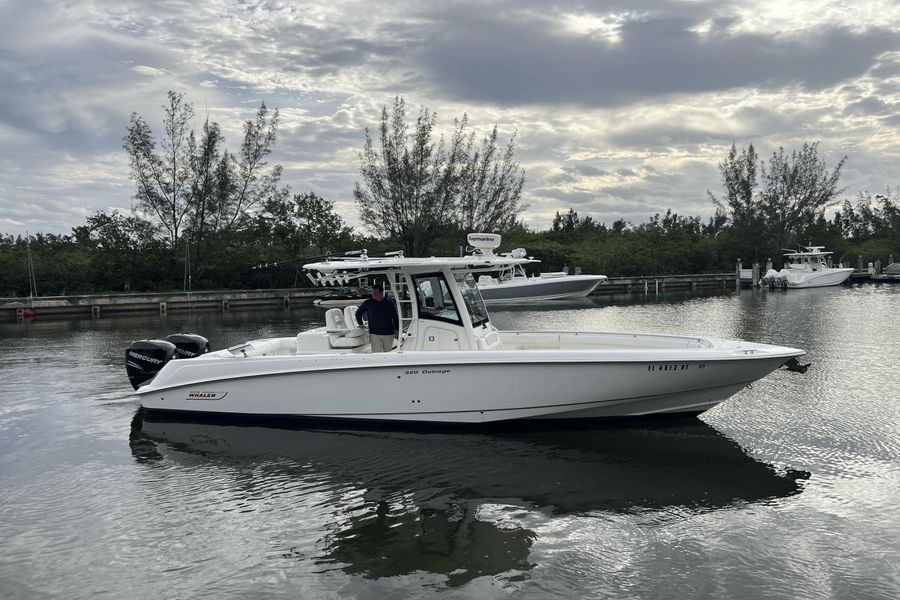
x=512 y=284
x=807 y=268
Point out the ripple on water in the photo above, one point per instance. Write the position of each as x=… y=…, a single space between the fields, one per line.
x=788 y=489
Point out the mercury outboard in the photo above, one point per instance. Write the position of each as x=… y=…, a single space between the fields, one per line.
x=145 y=358
x=188 y=345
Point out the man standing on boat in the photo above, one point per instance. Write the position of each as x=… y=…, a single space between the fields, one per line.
x=383 y=322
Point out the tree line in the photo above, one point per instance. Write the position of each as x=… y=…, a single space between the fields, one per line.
x=204 y=217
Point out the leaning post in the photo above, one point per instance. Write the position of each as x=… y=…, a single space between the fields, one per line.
x=737 y=274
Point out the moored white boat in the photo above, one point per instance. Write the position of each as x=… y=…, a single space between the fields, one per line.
x=518 y=287
x=807 y=269
x=341 y=299
x=450 y=364
x=891 y=274
x=512 y=285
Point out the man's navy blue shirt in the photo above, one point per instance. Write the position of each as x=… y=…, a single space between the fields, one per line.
x=382 y=316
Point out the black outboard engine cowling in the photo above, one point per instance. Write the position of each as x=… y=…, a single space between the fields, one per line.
x=144 y=359
x=188 y=345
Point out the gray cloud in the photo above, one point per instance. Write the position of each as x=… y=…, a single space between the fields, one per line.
x=868 y=106
x=525 y=61
x=614 y=129
x=667 y=135
x=574 y=172
x=585 y=170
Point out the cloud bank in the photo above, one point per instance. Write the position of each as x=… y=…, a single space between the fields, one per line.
x=622 y=109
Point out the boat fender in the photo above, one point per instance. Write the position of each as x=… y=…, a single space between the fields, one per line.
x=145 y=358
x=188 y=345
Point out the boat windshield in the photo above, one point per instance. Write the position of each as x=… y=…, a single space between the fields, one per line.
x=435 y=300
x=472 y=297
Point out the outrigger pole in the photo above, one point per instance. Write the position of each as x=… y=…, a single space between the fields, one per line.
x=32 y=282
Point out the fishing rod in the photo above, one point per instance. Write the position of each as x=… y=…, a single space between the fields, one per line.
x=291 y=261
x=333 y=279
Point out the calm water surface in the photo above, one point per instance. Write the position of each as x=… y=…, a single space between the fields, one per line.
x=788 y=490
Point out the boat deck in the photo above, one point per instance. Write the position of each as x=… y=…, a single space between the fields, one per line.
x=508 y=340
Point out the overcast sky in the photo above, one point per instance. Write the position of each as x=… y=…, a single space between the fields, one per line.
x=623 y=109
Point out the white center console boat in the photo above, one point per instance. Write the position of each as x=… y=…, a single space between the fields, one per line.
x=449 y=365
x=807 y=269
x=512 y=285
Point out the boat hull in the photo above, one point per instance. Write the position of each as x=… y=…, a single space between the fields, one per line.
x=338 y=303
x=820 y=279
x=477 y=387
x=540 y=289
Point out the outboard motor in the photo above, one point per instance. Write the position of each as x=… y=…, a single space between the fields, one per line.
x=144 y=359
x=188 y=345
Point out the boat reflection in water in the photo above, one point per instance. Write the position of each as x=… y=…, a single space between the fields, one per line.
x=457 y=504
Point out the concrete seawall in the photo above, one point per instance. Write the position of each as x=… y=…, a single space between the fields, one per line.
x=97 y=305
x=649 y=284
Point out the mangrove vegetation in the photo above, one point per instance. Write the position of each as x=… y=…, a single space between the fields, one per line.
x=206 y=217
